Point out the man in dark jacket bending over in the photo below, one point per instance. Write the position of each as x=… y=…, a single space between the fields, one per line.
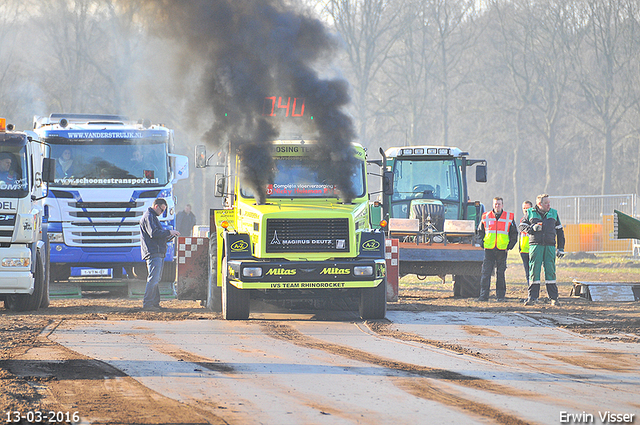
x=153 y=244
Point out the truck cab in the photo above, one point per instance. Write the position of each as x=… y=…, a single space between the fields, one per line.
x=109 y=169
x=302 y=241
x=25 y=171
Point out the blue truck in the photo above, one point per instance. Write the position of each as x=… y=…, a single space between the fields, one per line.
x=109 y=170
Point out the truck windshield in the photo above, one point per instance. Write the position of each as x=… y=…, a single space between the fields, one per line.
x=110 y=165
x=299 y=177
x=422 y=179
x=13 y=172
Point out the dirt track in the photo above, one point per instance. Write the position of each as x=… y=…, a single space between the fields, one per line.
x=38 y=373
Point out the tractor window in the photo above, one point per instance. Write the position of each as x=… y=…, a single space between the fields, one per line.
x=426 y=179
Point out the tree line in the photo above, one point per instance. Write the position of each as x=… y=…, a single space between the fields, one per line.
x=547 y=91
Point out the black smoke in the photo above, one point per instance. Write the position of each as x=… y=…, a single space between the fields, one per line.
x=253 y=49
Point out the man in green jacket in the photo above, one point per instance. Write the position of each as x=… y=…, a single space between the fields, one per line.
x=543 y=226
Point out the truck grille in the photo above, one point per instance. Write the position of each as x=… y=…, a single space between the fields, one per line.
x=307 y=235
x=93 y=224
x=7 y=225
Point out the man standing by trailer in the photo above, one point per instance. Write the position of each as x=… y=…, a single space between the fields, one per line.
x=185 y=220
x=499 y=233
x=543 y=226
x=153 y=244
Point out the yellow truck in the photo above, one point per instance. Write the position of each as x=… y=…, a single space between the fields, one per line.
x=298 y=239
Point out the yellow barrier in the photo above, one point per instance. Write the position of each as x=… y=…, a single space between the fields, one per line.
x=589 y=237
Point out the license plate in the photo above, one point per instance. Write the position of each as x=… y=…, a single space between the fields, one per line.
x=95 y=272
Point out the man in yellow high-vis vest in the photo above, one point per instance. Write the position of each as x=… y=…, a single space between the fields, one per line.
x=523 y=242
x=499 y=232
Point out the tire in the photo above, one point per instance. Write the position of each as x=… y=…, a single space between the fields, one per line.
x=26 y=302
x=373 y=302
x=466 y=286
x=168 y=272
x=235 y=302
x=46 y=300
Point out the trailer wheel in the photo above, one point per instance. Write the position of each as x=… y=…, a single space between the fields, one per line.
x=373 y=301
x=169 y=271
x=466 y=286
x=26 y=302
x=235 y=302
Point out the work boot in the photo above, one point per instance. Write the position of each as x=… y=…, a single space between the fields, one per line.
x=555 y=302
x=530 y=301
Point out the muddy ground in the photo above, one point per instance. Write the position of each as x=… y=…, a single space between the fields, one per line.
x=20 y=333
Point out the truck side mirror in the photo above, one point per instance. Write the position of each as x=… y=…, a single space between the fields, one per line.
x=220 y=183
x=481 y=173
x=48 y=169
x=201 y=156
x=387 y=183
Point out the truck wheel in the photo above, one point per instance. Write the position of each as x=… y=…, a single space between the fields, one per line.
x=47 y=279
x=373 y=301
x=235 y=302
x=466 y=286
x=26 y=302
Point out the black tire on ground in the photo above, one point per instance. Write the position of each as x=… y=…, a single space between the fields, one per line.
x=168 y=271
x=47 y=279
x=44 y=303
x=26 y=302
x=235 y=302
x=59 y=272
x=466 y=286
x=373 y=302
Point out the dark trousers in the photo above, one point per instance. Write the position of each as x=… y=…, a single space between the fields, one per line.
x=525 y=263
x=493 y=258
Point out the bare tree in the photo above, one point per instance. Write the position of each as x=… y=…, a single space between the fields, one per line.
x=12 y=66
x=455 y=33
x=605 y=62
x=370 y=29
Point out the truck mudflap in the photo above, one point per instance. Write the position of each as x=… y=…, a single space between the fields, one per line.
x=255 y=274
x=439 y=259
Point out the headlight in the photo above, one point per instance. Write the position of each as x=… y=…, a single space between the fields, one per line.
x=252 y=272
x=363 y=270
x=16 y=262
x=56 y=237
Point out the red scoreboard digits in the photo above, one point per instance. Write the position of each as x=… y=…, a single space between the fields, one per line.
x=278 y=106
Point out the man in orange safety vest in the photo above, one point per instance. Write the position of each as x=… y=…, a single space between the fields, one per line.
x=499 y=232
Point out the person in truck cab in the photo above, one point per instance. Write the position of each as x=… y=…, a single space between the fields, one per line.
x=7 y=172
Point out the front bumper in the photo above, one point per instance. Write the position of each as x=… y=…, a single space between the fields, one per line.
x=99 y=256
x=307 y=274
